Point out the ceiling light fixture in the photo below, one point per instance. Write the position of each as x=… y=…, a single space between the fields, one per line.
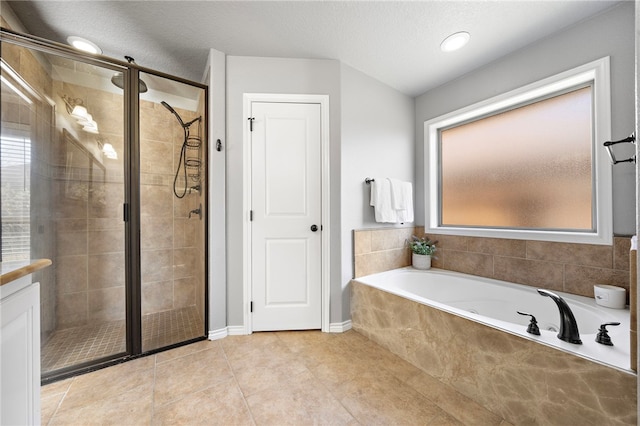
x=455 y=41
x=84 y=45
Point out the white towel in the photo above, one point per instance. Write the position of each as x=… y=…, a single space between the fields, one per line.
x=381 y=201
x=398 y=201
x=406 y=214
x=402 y=199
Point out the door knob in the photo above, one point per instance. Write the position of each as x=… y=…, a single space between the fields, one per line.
x=314 y=228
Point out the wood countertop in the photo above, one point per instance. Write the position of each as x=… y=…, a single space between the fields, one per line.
x=11 y=271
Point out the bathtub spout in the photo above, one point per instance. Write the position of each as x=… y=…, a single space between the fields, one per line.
x=568 y=326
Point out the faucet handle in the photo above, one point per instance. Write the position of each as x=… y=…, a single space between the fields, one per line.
x=533 y=325
x=603 y=337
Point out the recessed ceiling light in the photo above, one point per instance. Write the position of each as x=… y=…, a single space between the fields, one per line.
x=84 y=45
x=455 y=41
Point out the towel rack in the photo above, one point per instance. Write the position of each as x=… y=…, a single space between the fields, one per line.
x=369 y=180
x=629 y=139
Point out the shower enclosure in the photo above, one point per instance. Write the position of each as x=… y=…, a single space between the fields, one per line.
x=103 y=173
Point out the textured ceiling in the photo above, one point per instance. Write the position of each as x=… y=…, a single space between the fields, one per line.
x=395 y=42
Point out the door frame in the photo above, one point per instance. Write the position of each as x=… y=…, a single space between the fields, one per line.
x=323 y=101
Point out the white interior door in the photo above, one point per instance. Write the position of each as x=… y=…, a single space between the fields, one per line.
x=286 y=237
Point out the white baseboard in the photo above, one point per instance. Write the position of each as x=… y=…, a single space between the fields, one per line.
x=218 y=334
x=340 y=327
x=237 y=330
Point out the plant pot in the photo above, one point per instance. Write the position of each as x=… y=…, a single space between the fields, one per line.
x=421 y=261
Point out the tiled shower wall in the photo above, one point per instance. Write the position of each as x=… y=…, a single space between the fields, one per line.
x=572 y=268
x=172 y=243
x=90 y=229
x=90 y=260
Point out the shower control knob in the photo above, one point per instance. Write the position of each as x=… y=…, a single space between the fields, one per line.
x=314 y=228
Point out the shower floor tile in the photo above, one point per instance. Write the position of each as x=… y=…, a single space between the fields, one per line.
x=76 y=345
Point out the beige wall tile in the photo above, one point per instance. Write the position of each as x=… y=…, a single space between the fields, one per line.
x=184 y=262
x=450 y=242
x=367 y=264
x=156 y=201
x=185 y=233
x=107 y=304
x=71 y=273
x=108 y=241
x=106 y=270
x=156 y=157
x=106 y=200
x=384 y=239
x=535 y=273
x=71 y=225
x=156 y=232
x=497 y=246
x=156 y=265
x=157 y=296
x=621 y=246
x=580 y=279
x=469 y=263
x=72 y=310
x=536 y=263
x=71 y=243
x=578 y=254
x=361 y=242
x=184 y=292
x=67 y=208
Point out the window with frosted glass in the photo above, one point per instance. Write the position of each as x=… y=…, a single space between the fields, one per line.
x=526 y=168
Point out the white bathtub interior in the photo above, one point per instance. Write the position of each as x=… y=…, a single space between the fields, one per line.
x=495 y=303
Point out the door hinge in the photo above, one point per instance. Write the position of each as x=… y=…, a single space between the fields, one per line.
x=125 y=212
x=251 y=123
x=250 y=215
x=250 y=306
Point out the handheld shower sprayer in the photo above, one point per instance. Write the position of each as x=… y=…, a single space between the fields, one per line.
x=189 y=154
x=182 y=123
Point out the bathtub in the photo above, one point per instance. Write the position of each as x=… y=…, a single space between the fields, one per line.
x=494 y=303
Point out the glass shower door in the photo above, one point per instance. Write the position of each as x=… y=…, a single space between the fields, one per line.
x=172 y=202
x=63 y=128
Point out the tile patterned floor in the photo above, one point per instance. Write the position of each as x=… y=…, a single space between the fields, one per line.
x=300 y=377
x=72 y=346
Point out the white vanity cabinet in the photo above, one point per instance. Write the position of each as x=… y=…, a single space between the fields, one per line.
x=19 y=351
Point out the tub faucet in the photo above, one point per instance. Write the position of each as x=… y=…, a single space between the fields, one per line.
x=568 y=326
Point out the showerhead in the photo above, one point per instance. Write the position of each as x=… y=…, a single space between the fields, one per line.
x=118 y=81
x=118 y=78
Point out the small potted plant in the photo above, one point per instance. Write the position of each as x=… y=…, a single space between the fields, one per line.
x=422 y=250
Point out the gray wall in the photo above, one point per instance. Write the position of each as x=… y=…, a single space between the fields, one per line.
x=377 y=141
x=274 y=75
x=216 y=78
x=609 y=34
x=371 y=134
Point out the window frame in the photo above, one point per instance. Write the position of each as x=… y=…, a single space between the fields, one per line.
x=595 y=73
